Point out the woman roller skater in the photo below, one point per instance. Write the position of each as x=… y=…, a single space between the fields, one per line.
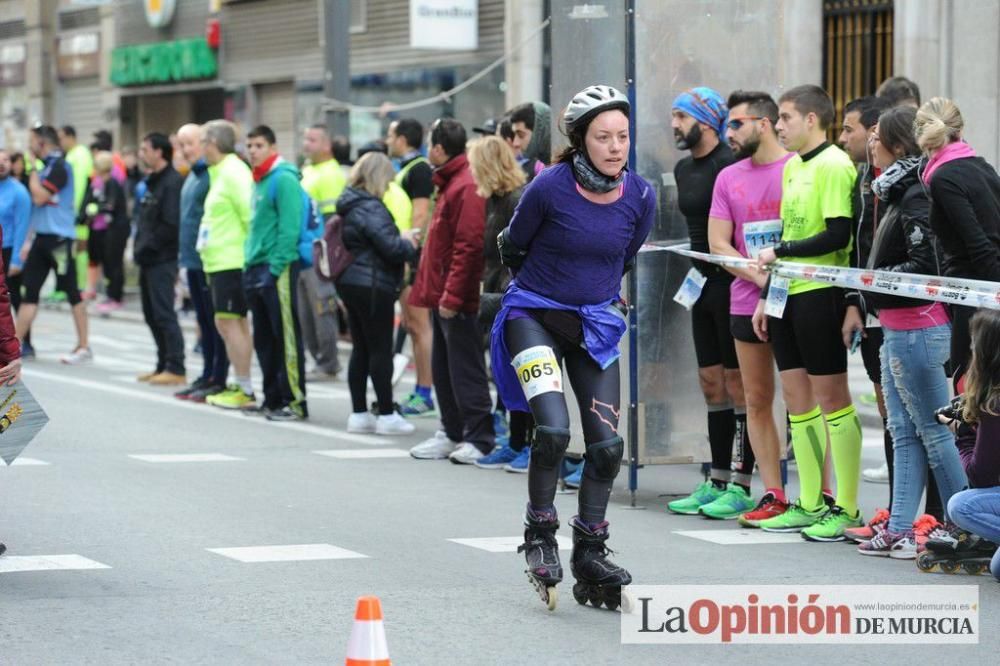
x=575 y=232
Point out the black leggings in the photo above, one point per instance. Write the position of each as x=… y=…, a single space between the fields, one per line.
x=598 y=397
x=106 y=248
x=370 y=314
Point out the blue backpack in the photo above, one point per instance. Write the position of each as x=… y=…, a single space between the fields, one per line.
x=312 y=222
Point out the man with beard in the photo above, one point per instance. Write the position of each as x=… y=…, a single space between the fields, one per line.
x=746 y=217
x=699 y=121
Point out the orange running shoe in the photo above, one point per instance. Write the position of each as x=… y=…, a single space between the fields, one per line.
x=922 y=528
x=874 y=526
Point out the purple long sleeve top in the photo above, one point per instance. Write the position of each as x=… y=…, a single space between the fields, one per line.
x=979 y=449
x=578 y=255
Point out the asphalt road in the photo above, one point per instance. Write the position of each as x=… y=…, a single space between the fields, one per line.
x=148 y=584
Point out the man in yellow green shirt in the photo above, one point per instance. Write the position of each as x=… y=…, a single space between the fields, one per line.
x=82 y=162
x=803 y=319
x=324 y=180
x=221 y=240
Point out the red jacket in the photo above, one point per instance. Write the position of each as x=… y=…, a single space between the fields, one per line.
x=10 y=348
x=451 y=263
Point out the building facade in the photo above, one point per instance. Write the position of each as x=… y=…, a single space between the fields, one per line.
x=118 y=66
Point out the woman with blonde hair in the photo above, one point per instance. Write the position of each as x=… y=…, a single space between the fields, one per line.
x=500 y=180
x=369 y=288
x=965 y=210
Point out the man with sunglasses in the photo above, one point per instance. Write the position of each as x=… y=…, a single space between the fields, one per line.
x=745 y=218
x=699 y=124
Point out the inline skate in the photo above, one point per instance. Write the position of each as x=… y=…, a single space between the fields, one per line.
x=598 y=579
x=541 y=552
x=951 y=548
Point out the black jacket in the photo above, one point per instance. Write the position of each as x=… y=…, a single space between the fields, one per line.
x=904 y=241
x=965 y=217
x=158 y=219
x=112 y=201
x=370 y=234
x=496 y=277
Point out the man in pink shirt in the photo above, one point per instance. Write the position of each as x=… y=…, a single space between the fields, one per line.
x=745 y=218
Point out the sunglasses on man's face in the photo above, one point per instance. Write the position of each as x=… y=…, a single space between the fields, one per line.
x=736 y=123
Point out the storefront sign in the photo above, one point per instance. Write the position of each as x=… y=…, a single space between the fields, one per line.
x=12 y=57
x=444 y=25
x=163 y=62
x=79 y=55
x=159 y=13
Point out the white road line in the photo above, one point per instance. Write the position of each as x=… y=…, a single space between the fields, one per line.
x=106 y=341
x=140 y=394
x=28 y=462
x=741 y=537
x=18 y=563
x=299 y=553
x=183 y=457
x=505 y=544
x=353 y=454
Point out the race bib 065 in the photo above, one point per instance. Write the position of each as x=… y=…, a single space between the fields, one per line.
x=538 y=371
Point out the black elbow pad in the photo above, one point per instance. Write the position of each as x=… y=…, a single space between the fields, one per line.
x=511 y=256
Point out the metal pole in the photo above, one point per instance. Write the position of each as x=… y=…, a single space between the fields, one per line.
x=337 y=63
x=633 y=276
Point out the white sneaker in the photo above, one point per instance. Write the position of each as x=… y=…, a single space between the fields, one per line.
x=437 y=447
x=399 y=364
x=79 y=356
x=466 y=454
x=393 y=424
x=877 y=474
x=361 y=422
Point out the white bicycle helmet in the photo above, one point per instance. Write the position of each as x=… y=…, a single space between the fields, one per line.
x=593 y=100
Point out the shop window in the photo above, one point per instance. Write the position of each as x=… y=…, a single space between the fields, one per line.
x=12 y=29
x=857 y=50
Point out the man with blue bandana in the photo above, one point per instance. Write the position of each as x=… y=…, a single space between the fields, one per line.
x=698 y=118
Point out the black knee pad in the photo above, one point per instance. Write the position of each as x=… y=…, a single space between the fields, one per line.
x=548 y=446
x=603 y=459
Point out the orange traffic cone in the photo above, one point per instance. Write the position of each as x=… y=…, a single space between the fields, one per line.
x=367 y=646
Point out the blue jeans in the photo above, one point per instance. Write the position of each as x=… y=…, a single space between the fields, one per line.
x=978 y=511
x=915 y=385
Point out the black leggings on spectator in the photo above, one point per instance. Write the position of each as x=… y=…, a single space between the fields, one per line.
x=370 y=314
x=598 y=397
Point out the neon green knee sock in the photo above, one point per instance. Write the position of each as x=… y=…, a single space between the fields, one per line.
x=809 y=444
x=845 y=443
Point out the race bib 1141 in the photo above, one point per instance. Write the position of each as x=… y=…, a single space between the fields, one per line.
x=760 y=235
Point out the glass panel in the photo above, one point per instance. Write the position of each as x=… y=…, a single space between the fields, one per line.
x=672 y=55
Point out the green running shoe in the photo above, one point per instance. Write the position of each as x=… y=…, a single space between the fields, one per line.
x=703 y=494
x=793 y=520
x=832 y=525
x=232 y=398
x=732 y=503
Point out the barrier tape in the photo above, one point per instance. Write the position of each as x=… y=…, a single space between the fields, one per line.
x=957 y=291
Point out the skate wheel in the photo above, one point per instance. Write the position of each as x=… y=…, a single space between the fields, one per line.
x=628 y=604
x=553 y=597
x=925 y=562
x=948 y=566
x=611 y=596
x=580 y=593
x=973 y=568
